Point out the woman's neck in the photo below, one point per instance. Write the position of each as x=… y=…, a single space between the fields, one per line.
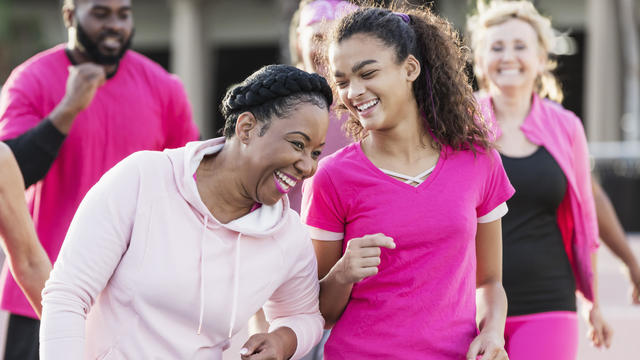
x=220 y=188
x=511 y=108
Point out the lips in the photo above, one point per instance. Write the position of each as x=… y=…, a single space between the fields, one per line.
x=284 y=182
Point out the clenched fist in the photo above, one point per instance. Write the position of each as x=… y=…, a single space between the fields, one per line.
x=362 y=257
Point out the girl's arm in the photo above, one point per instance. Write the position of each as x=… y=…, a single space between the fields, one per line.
x=339 y=272
x=490 y=296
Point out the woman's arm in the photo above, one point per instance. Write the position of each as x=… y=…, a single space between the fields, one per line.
x=98 y=237
x=294 y=320
x=600 y=331
x=339 y=272
x=27 y=260
x=612 y=234
x=490 y=296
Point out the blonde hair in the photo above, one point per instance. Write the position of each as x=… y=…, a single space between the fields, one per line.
x=500 y=11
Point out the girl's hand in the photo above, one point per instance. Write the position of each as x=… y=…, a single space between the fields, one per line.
x=489 y=344
x=600 y=332
x=361 y=258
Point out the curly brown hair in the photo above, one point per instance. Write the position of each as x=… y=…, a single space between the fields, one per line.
x=442 y=91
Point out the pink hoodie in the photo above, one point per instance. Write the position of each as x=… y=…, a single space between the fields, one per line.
x=147 y=272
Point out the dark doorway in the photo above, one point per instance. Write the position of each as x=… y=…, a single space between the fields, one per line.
x=234 y=64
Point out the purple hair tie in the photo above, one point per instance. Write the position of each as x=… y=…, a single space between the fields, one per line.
x=402 y=16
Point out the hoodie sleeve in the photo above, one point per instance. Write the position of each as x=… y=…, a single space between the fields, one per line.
x=295 y=303
x=96 y=241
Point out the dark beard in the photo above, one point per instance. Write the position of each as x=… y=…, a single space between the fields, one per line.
x=91 y=47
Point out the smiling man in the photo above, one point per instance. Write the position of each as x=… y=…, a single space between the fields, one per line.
x=72 y=112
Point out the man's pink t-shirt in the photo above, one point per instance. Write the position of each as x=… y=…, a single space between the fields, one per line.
x=141 y=107
x=421 y=304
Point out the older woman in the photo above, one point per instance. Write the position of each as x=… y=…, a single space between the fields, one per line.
x=171 y=252
x=550 y=233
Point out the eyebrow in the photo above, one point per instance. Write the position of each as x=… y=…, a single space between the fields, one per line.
x=357 y=66
x=300 y=133
x=107 y=8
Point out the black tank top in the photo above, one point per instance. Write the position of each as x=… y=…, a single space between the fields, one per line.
x=537 y=276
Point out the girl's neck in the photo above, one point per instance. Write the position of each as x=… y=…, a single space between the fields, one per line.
x=511 y=108
x=406 y=143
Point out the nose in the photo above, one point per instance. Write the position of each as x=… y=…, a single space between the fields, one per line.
x=116 y=23
x=306 y=166
x=355 y=89
x=508 y=54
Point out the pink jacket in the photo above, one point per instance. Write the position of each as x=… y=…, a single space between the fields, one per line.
x=561 y=133
x=147 y=272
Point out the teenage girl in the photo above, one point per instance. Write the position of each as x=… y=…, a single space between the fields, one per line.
x=406 y=220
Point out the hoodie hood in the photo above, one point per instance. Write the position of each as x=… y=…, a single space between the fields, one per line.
x=263 y=221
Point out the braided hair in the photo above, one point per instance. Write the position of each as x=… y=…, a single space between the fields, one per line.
x=274 y=90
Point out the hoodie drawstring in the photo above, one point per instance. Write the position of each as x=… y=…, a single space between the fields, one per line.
x=236 y=285
x=204 y=231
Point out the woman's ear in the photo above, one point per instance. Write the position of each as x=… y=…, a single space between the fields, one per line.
x=245 y=125
x=412 y=67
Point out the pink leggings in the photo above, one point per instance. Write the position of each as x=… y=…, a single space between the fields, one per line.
x=549 y=335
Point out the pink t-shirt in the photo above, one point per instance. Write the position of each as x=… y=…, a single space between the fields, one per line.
x=421 y=304
x=141 y=107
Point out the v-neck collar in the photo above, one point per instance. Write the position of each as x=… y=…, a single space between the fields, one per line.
x=396 y=182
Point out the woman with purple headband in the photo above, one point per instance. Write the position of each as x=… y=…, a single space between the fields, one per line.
x=406 y=220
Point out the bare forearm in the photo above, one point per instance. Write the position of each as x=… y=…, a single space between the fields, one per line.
x=62 y=116
x=31 y=275
x=610 y=229
x=26 y=257
x=492 y=307
x=334 y=296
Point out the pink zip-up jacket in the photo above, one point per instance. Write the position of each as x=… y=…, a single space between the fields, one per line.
x=147 y=272
x=562 y=134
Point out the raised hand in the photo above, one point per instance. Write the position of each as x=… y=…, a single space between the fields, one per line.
x=361 y=258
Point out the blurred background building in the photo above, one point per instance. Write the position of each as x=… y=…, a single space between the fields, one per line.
x=212 y=44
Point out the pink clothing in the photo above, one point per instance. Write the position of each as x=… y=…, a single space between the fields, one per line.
x=141 y=107
x=549 y=335
x=561 y=133
x=147 y=272
x=336 y=139
x=421 y=304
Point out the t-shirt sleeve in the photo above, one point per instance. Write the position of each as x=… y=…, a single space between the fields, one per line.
x=179 y=120
x=322 y=207
x=497 y=188
x=18 y=104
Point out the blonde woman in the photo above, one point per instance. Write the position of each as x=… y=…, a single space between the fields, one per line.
x=550 y=233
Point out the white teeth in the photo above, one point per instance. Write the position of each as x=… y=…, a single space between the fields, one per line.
x=285 y=179
x=367 y=105
x=510 y=72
